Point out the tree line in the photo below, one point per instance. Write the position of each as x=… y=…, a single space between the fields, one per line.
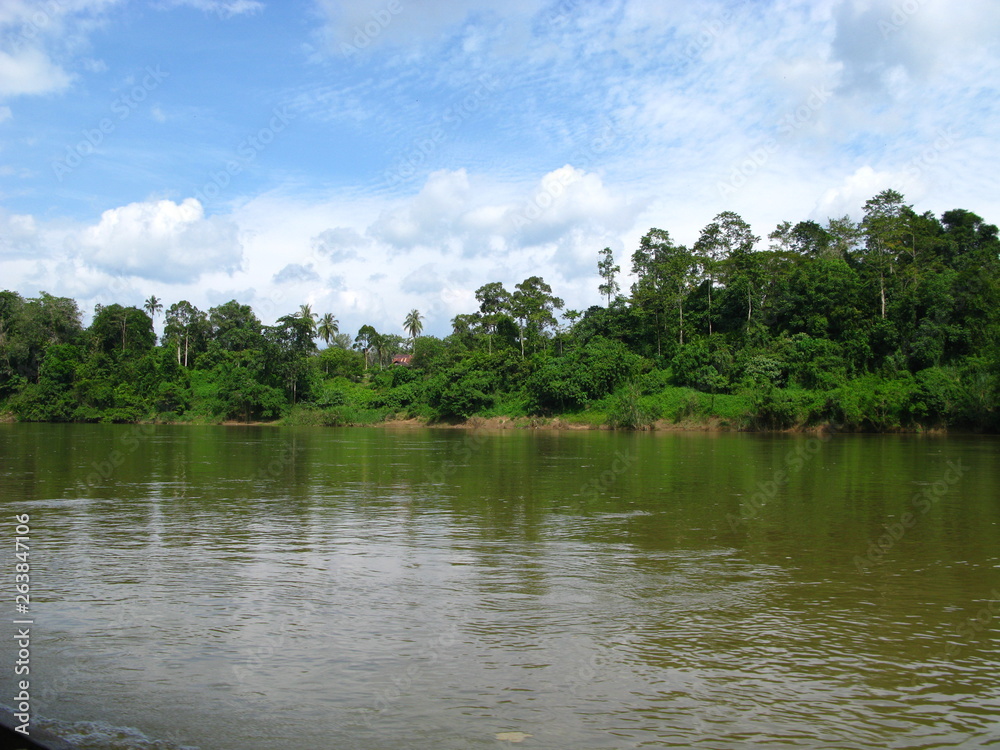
x=887 y=323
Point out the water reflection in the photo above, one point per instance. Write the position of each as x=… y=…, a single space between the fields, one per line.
x=370 y=588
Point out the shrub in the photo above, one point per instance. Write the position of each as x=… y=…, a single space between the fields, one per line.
x=631 y=411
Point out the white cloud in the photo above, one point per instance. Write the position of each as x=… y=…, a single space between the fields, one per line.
x=361 y=25
x=339 y=244
x=295 y=273
x=222 y=8
x=30 y=71
x=849 y=197
x=19 y=236
x=162 y=240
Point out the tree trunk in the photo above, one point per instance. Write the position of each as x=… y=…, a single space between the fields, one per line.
x=681 y=307
x=709 y=305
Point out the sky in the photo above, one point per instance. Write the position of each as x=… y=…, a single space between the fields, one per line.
x=376 y=156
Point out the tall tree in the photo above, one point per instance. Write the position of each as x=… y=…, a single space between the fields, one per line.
x=884 y=235
x=291 y=339
x=845 y=236
x=608 y=270
x=664 y=274
x=533 y=304
x=328 y=327
x=413 y=324
x=235 y=327
x=185 y=324
x=366 y=341
x=494 y=306
x=306 y=313
x=722 y=248
x=124 y=330
x=153 y=306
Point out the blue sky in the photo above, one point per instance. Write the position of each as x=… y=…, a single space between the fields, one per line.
x=379 y=155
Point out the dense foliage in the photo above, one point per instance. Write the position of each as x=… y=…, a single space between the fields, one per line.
x=893 y=322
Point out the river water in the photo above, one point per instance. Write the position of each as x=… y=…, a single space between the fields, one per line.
x=247 y=588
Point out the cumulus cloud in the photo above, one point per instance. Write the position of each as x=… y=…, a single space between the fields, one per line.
x=339 y=243
x=849 y=197
x=19 y=236
x=430 y=216
x=295 y=272
x=425 y=280
x=162 y=240
x=884 y=43
x=30 y=71
x=452 y=214
x=571 y=199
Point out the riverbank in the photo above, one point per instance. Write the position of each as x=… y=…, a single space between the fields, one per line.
x=565 y=423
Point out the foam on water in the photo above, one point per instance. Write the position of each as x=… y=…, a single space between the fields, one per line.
x=99 y=735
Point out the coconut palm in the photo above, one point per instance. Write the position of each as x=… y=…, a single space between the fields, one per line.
x=306 y=313
x=328 y=327
x=152 y=306
x=413 y=324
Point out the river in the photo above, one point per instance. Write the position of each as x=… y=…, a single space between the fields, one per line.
x=247 y=588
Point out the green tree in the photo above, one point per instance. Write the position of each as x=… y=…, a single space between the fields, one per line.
x=665 y=273
x=534 y=305
x=884 y=236
x=291 y=343
x=235 y=327
x=608 y=270
x=366 y=341
x=328 y=327
x=306 y=313
x=413 y=324
x=724 y=249
x=494 y=306
x=122 y=330
x=153 y=306
x=186 y=324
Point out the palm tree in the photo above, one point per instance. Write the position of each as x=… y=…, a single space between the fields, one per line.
x=152 y=306
x=328 y=327
x=413 y=324
x=306 y=313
